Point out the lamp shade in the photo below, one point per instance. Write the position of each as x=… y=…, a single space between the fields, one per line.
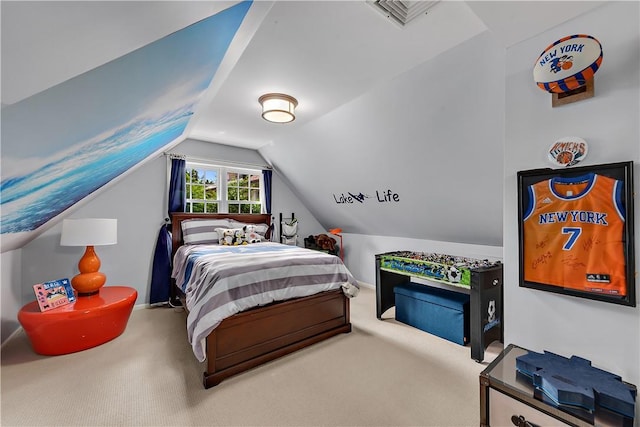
x=89 y=232
x=278 y=107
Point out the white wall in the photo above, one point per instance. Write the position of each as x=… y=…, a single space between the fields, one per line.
x=139 y=202
x=607 y=334
x=286 y=202
x=10 y=280
x=432 y=135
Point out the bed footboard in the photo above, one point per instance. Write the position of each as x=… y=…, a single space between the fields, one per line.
x=253 y=337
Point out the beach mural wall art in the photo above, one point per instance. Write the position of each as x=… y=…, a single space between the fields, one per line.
x=63 y=144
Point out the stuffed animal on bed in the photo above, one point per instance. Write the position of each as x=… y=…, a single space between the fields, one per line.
x=325 y=242
x=233 y=237
x=251 y=237
x=238 y=237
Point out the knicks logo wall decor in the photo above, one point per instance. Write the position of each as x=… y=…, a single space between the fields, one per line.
x=568 y=64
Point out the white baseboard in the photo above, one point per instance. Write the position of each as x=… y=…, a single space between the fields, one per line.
x=14 y=333
x=366 y=285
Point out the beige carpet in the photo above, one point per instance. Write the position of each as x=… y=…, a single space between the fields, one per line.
x=383 y=373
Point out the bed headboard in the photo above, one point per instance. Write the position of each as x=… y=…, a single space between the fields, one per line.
x=178 y=217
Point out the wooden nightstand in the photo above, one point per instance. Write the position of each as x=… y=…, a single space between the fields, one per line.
x=507 y=398
x=85 y=323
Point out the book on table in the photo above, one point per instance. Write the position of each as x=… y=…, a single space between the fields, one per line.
x=55 y=293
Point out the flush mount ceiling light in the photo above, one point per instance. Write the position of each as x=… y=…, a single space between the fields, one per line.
x=278 y=107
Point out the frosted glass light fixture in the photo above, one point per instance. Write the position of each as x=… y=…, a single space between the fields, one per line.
x=278 y=107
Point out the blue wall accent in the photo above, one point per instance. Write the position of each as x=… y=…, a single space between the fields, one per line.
x=63 y=144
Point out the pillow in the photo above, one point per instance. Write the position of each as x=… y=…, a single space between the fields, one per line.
x=261 y=229
x=230 y=236
x=197 y=231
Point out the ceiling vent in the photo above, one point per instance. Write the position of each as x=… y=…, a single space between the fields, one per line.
x=402 y=11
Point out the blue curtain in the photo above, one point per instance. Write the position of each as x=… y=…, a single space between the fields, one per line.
x=177 y=186
x=266 y=179
x=161 y=273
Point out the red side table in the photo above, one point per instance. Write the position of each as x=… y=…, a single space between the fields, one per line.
x=85 y=323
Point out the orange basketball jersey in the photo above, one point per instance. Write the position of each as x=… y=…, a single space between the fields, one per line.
x=573 y=234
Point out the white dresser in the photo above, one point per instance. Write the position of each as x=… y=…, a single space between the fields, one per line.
x=507 y=398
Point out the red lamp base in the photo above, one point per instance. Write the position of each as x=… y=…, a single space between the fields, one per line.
x=85 y=323
x=90 y=280
x=86 y=284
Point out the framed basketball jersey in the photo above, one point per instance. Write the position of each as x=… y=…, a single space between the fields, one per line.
x=576 y=231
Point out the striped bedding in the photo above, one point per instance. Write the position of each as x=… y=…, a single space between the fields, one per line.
x=220 y=281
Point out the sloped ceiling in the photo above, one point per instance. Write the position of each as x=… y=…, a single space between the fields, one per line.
x=322 y=52
x=62 y=145
x=327 y=53
x=45 y=43
x=334 y=57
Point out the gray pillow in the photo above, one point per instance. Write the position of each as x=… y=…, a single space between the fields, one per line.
x=200 y=231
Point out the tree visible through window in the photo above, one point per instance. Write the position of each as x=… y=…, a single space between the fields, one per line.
x=213 y=189
x=243 y=192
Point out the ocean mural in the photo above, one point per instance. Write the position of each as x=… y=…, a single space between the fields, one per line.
x=64 y=143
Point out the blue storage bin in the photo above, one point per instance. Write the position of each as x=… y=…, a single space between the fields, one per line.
x=438 y=311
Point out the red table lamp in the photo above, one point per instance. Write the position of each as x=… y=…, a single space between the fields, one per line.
x=89 y=232
x=336 y=232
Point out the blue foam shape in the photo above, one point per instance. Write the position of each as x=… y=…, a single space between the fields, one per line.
x=575 y=382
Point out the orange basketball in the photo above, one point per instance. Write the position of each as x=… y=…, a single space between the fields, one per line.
x=565 y=157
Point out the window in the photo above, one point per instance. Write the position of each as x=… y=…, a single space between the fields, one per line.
x=202 y=184
x=220 y=189
x=243 y=192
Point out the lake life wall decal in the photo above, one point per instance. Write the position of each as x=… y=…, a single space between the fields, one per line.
x=384 y=196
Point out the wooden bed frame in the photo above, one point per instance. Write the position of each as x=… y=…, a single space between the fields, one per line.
x=253 y=337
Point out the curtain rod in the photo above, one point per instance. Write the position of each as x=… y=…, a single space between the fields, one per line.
x=220 y=162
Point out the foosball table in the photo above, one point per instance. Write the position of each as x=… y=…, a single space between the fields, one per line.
x=482 y=280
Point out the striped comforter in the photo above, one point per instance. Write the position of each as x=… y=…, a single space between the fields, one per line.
x=220 y=281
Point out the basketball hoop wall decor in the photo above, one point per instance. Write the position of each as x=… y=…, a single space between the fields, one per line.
x=566 y=68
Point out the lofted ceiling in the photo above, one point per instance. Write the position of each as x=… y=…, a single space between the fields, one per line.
x=323 y=53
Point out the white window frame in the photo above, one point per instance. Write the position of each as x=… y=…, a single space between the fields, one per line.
x=223 y=170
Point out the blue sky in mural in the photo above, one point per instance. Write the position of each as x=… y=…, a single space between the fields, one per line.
x=62 y=144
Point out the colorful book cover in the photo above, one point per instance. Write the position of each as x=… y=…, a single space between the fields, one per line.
x=54 y=294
